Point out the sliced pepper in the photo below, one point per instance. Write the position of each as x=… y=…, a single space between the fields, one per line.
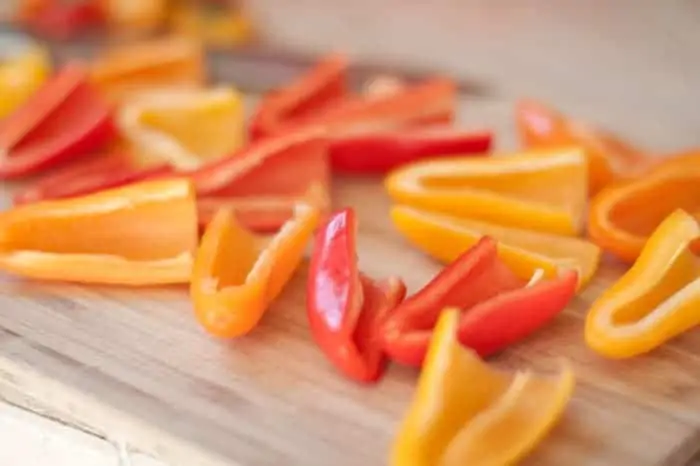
x=622 y=216
x=135 y=16
x=21 y=74
x=656 y=300
x=238 y=274
x=183 y=128
x=381 y=152
x=346 y=309
x=214 y=22
x=63 y=19
x=537 y=190
x=609 y=157
x=446 y=238
x=168 y=62
x=498 y=308
x=63 y=120
x=99 y=173
x=430 y=102
x=464 y=412
x=323 y=85
x=144 y=234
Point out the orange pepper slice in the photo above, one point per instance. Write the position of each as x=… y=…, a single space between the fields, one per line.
x=237 y=274
x=154 y=64
x=622 y=216
x=609 y=157
x=656 y=300
x=465 y=412
x=143 y=234
x=538 y=190
x=445 y=238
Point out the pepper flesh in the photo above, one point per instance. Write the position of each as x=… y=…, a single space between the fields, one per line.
x=622 y=216
x=237 y=274
x=498 y=309
x=445 y=237
x=656 y=300
x=21 y=75
x=381 y=152
x=464 y=412
x=345 y=308
x=538 y=190
x=144 y=234
x=609 y=158
x=167 y=62
x=63 y=120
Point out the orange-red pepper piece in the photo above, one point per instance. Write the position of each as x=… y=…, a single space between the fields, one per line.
x=237 y=274
x=143 y=234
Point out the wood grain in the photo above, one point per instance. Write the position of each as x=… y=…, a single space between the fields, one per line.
x=134 y=366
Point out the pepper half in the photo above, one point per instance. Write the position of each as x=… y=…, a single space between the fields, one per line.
x=347 y=309
x=381 y=152
x=537 y=190
x=237 y=274
x=656 y=300
x=464 y=412
x=64 y=119
x=144 y=234
x=623 y=215
x=498 y=308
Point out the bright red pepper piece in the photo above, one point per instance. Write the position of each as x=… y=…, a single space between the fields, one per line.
x=63 y=19
x=345 y=308
x=497 y=308
x=381 y=152
x=323 y=85
x=65 y=119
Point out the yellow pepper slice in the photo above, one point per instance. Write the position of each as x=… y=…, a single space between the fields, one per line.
x=464 y=412
x=183 y=127
x=656 y=300
x=538 y=190
x=445 y=237
x=21 y=75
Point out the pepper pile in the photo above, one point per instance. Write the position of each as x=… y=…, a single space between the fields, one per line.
x=131 y=157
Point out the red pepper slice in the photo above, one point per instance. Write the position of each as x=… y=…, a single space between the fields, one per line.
x=65 y=119
x=87 y=177
x=497 y=309
x=345 y=308
x=315 y=90
x=381 y=152
x=62 y=20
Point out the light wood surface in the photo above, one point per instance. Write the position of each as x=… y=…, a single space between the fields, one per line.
x=133 y=366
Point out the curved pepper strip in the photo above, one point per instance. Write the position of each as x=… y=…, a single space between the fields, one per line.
x=537 y=190
x=445 y=238
x=322 y=86
x=498 y=308
x=609 y=158
x=99 y=173
x=63 y=120
x=622 y=216
x=346 y=309
x=381 y=152
x=238 y=274
x=144 y=234
x=464 y=412
x=656 y=300
x=169 y=62
x=21 y=74
x=215 y=23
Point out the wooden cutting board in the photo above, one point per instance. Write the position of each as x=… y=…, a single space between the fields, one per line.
x=132 y=365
